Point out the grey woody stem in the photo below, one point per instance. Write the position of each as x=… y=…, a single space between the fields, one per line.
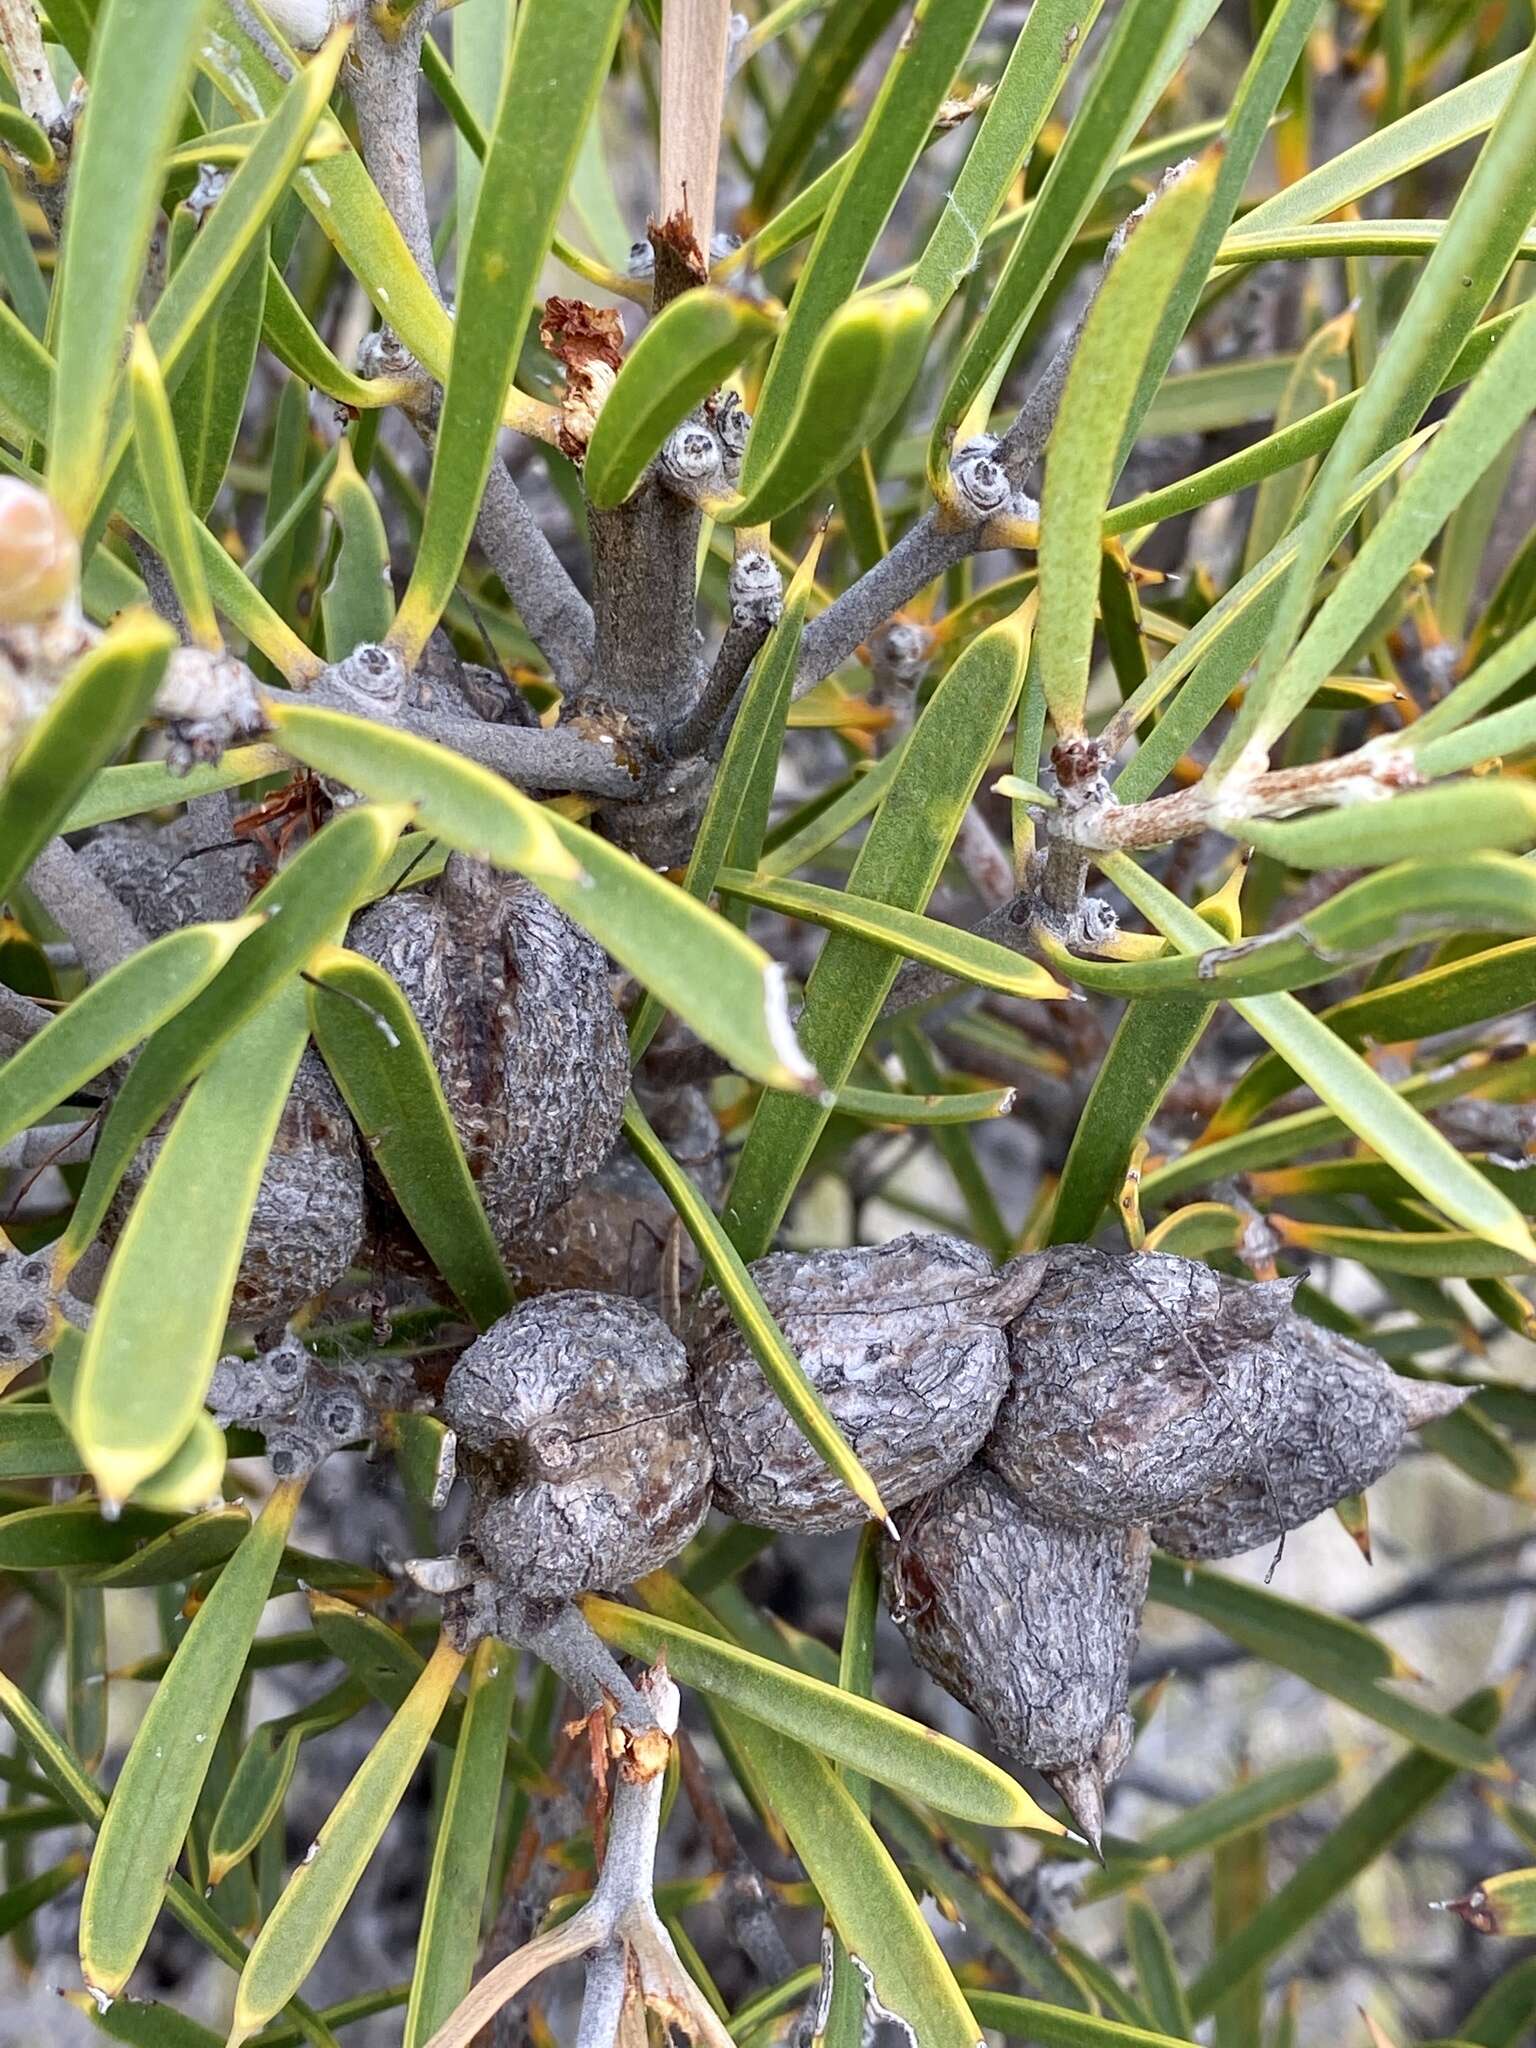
x=84 y=908
x=619 y=1921
x=383 y=88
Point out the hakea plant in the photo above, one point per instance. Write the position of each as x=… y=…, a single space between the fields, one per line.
x=517 y=520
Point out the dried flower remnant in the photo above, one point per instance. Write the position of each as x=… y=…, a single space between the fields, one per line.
x=1029 y=1622
x=903 y=1342
x=514 y=1001
x=588 y=343
x=581 y=1439
x=1340 y=1420
x=1140 y=1382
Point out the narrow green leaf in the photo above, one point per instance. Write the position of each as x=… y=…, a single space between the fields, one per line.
x=906 y=932
x=1488 y=813
x=679 y=359
x=739 y=1290
x=899 y=863
x=85 y=1670
x=104 y=699
x=210 y=397
x=1244 y=1805
x=1147 y=41
x=962 y=1106
x=289 y=333
x=1489 y=984
x=559 y=58
x=165 y=484
x=1157 y=1971
x=1490 y=680
x=1433 y=1254
x=1084 y=449
x=1443 y=123
x=718 y=981
x=254 y=1797
x=140 y=786
x=1494 y=207
x=370 y=1039
x=893 y=136
x=358 y=603
x=1309 y=1644
x=113 y=1015
x=85 y=1800
x=142 y=56
x=1393 y=1803
x=300 y=1923
x=1343 y=1080
x=1502 y=2016
x=150 y=1352
x=307 y=904
x=34 y=1444
x=449 y=1942
x=1037 y=66
x=153 y=1801
x=858 y=1732
x=190 y=1545
x=21 y=1901
x=1259 y=1619
x=865 y=1896
x=861 y=365
x=1490 y=412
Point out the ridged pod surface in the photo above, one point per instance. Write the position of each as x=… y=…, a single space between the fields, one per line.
x=1140 y=1382
x=1030 y=1623
x=514 y=1002
x=582 y=1443
x=1340 y=1418
x=902 y=1343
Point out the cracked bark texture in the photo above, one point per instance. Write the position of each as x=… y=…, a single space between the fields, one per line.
x=514 y=1002
x=581 y=1439
x=1030 y=1623
x=308 y=1223
x=1339 y=1419
x=900 y=1342
x=1140 y=1382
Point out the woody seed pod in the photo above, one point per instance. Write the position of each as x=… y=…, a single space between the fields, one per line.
x=514 y=1001
x=1341 y=1418
x=1139 y=1383
x=1030 y=1623
x=902 y=1342
x=581 y=1439
x=612 y=1230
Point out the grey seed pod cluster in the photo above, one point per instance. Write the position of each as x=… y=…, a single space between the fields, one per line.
x=1030 y=1622
x=26 y=1309
x=514 y=1002
x=1140 y=1383
x=613 y=1229
x=581 y=1439
x=304 y=1407
x=308 y=1223
x=1340 y=1418
x=903 y=1341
